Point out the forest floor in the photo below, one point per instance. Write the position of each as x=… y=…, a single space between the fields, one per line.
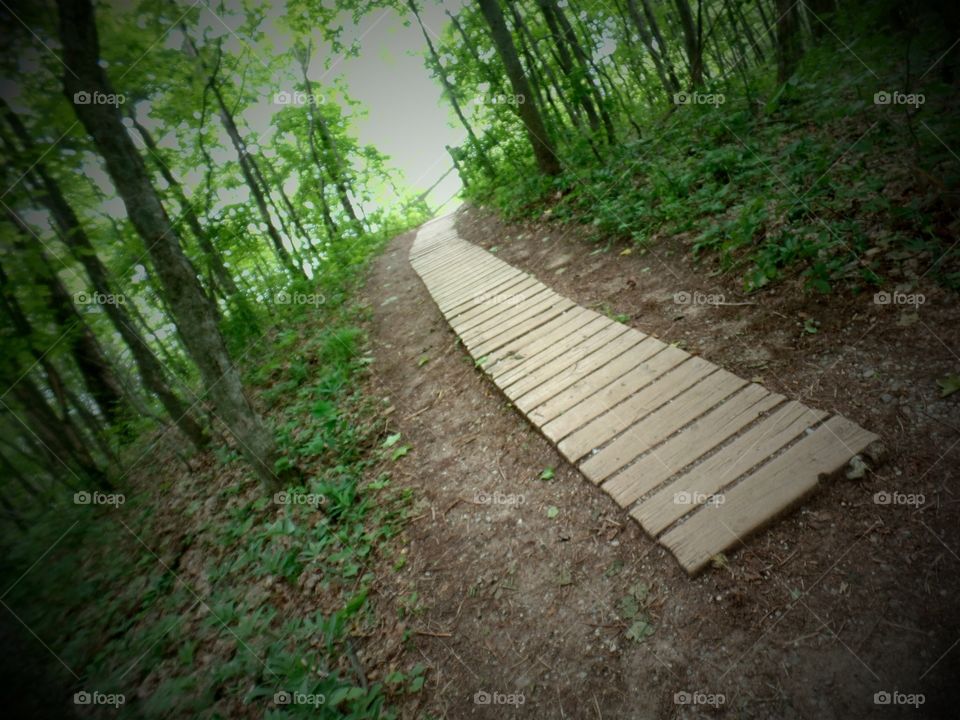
x=841 y=600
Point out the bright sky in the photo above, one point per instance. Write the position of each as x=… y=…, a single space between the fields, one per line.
x=407 y=119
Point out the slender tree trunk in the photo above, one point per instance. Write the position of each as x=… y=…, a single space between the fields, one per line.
x=195 y=316
x=58 y=436
x=669 y=82
x=223 y=277
x=332 y=163
x=543 y=149
x=585 y=62
x=691 y=39
x=452 y=95
x=97 y=372
x=10 y=470
x=788 y=40
x=80 y=246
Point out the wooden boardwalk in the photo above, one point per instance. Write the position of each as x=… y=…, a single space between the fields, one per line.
x=698 y=456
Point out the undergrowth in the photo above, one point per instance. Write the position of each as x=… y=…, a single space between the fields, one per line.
x=809 y=178
x=201 y=596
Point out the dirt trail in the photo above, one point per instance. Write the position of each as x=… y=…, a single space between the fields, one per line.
x=530 y=589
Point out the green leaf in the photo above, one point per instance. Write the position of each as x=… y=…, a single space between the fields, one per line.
x=417 y=683
x=629 y=607
x=400 y=452
x=547 y=474
x=949 y=385
x=424 y=359
x=391 y=440
x=640 y=631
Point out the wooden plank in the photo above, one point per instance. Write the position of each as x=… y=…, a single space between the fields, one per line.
x=477 y=296
x=594 y=352
x=473 y=298
x=564 y=354
x=560 y=306
x=438 y=258
x=451 y=259
x=767 y=493
x=493 y=326
x=450 y=285
x=658 y=426
x=597 y=393
x=496 y=313
x=578 y=322
x=550 y=401
x=459 y=263
x=726 y=465
x=574 y=444
x=706 y=433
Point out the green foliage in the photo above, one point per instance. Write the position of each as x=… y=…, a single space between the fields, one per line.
x=805 y=179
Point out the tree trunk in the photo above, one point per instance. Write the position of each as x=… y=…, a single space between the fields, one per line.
x=194 y=314
x=332 y=162
x=76 y=239
x=451 y=93
x=788 y=40
x=585 y=62
x=223 y=277
x=543 y=149
x=670 y=83
x=691 y=40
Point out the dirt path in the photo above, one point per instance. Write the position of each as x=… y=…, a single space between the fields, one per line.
x=502 y=594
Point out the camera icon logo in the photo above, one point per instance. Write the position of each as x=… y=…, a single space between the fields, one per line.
x=482 y=697
x=82 y=698
x=283 y=298
x=82 y=498
x=682 y=698
x=882 y=98
x=681 y=98
x=882 y=698
x=282 y=698
x=81 y=97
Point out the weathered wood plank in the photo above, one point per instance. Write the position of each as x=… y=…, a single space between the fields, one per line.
x=768 y=492
x=659 y=425
x=664 y=461
x=549 y=401
x=726 y=465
